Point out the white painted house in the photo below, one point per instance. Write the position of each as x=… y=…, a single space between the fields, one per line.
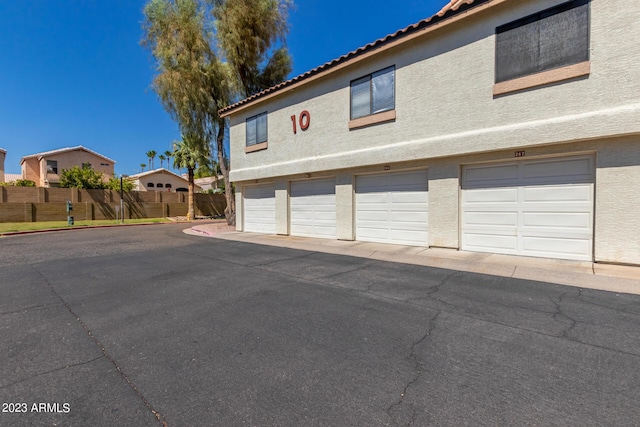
x=160 y=180
x=500 y=126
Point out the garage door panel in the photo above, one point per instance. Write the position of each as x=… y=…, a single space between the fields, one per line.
x=559 y=171
x=489 y=242
x=548 y=204
x=313 y=208
x=490 y=174
x=488 y=196
x=260 y=209
x=376 y=198
x=392 y=208
x=491 y=218
x=559 y=247
x=560 y=220
x=407 y=180
x=407 y=197
x=573 y=193
x=411 y=237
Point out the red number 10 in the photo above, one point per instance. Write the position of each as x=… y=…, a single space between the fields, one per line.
x=305 y=121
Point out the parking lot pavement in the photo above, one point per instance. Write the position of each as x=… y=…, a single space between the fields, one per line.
x=601 y=276
x=149 y=326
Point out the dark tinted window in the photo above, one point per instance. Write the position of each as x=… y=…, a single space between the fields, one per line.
x=550 y=39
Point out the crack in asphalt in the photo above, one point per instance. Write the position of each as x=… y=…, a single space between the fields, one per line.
x=105 y=353
x=559 y=313
x=417 y=368
x=52 y=371
x=430 y=294
x=38 y=307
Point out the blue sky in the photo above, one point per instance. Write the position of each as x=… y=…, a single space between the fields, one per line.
x=73 y=71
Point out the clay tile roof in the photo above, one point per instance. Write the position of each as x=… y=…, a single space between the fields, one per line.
x=64 y=150
x=450 y=9
x=453 y=5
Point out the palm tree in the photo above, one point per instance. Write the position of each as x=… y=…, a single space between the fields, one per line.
x=151 y=154
x=162 y=159
x=168 y=154
x=189 y=153
x=142 y=165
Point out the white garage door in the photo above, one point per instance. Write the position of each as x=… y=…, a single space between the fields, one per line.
x=541 y=208
x=313 y=208
x=260 y=208
x=392 y=208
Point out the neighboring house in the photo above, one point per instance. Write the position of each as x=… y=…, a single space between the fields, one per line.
x=3 y=154
x=210 y=182
x=160 y=180
x=12 y=177
x=45 y=168
x=499 y=126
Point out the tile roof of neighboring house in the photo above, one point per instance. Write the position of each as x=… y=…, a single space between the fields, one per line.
x=208 y=179
x=64 y=150
x=8 y=177
x=451 y=9
x=155 y=171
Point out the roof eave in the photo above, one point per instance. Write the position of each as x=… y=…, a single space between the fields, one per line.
x=451 y=13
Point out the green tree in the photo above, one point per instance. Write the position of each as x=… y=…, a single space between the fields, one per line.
x=193 y=83
x=162 y=159
x=248 y=32
x=189 y=154
x=114 y=184
x=78 y=177
x=142 y=166
x=151 y=155
x=168 y=154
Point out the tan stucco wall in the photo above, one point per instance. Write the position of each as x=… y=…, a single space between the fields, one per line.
x=31 y=170
x=2 y=157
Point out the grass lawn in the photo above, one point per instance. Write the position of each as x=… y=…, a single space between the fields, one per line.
x=8 y=227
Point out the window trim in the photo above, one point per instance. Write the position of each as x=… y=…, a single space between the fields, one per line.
x=371 y=114
x=373 y=119
x=543 y=78
x=548 y=76
x=256 y=147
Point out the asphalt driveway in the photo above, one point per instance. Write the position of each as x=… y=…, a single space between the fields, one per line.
x=144 y=326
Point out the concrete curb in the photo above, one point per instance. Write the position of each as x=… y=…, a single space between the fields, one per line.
x=607 y=277
x=85 y=227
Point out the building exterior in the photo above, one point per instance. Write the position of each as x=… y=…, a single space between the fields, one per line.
x=3 y=154
x=160 y=180
x=45 y=168
x=499 y=126
x=212 y=183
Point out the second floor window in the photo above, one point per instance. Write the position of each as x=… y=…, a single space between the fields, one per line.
x=553 y=38
x=373 y=94
x=257 y=129
x=52 y=166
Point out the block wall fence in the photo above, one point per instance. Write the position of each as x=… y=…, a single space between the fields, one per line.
x=35 y=204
